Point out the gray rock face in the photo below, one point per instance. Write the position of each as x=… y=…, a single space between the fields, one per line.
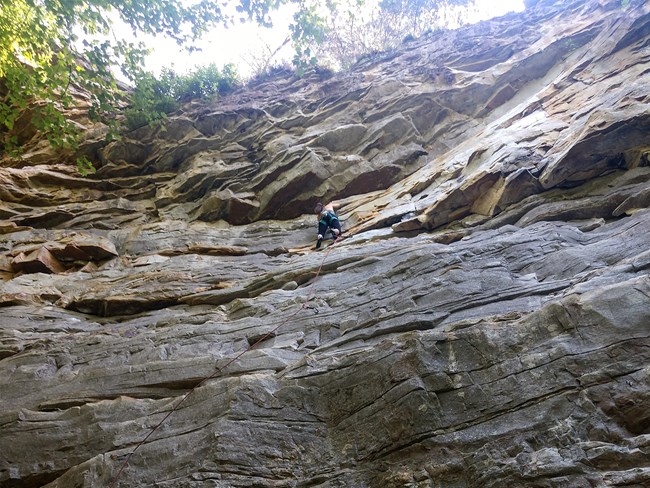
x=486 y=324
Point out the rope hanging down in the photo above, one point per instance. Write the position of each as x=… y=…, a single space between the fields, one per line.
x=219 y=370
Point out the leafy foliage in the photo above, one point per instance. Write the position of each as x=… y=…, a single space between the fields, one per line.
x=307 y=31
x=153 y=97
x=51 y=48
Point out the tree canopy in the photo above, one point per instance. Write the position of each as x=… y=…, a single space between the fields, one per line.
x=50 y=47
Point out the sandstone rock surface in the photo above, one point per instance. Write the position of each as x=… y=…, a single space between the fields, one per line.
x=487 y=324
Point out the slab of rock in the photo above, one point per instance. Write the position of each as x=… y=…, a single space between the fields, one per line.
x=81 y=247
x=40 y=260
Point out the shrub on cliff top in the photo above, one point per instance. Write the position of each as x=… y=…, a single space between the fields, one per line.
x=154 y=97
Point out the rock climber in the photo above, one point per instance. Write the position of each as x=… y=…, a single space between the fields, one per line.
x=327 y=219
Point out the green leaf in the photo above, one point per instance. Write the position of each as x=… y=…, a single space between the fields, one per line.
x=85 y=166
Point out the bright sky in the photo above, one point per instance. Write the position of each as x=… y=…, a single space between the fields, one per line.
x=242 y=44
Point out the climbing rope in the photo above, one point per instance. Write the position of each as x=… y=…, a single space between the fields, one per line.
x=219 y=370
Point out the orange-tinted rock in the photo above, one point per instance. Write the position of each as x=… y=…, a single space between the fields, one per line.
x=82 y=248
x=37 y=261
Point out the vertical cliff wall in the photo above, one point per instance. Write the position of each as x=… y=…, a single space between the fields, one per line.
x=485 y=324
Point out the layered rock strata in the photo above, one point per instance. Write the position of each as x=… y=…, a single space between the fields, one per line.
x=485 y=324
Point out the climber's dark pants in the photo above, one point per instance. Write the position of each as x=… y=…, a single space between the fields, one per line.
x=334 y=224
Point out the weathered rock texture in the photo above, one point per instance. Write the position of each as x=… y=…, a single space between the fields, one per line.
x=487 y=324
